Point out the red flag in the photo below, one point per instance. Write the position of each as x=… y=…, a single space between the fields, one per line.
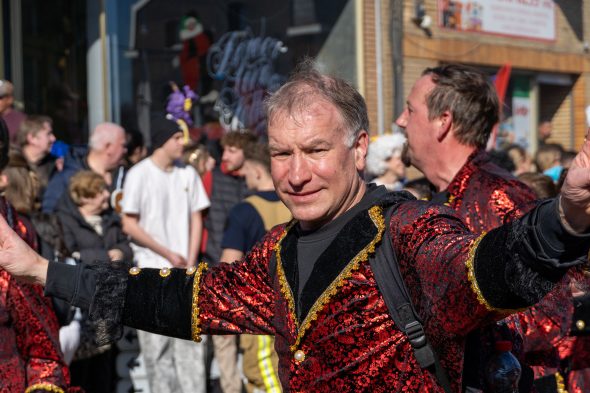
x=501 y=84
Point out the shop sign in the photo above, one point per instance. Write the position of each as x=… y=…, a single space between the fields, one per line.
x=533 y=19
x=521 y=107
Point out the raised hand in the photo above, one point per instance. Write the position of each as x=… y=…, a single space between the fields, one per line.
x=17 y=258
x=575 y=193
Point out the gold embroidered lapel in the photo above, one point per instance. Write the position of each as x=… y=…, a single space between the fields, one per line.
x=376 y=215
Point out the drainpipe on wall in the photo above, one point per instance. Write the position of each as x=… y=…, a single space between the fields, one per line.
x=379 y=63
x=360 y=48
x=397 y=55
x=97 y=63
x=104 y=61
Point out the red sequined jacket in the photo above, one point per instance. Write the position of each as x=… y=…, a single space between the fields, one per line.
x=486 y=196
x=338 y=334
x=30 y=356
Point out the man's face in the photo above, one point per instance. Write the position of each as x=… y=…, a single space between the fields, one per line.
x=419 y=130
x=174 y=146
x=117 y=149
x=232 y=158
x=43 y=139
x=314 y=172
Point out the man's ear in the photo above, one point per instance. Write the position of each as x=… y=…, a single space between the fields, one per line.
x=444 y=125
x=361 y=145
x=29 y=138
x=259 y=171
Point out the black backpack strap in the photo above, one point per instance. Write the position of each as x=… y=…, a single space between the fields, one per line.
x=391 y=284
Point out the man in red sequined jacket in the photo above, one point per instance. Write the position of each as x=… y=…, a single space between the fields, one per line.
x=30 y=356
x=484 y=196
x=310 y=283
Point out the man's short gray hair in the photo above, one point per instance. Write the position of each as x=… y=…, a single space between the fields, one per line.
x=306 y=85
x=103 y=134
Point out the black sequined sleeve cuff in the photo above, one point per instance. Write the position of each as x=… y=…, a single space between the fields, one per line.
x=517 y=264
x=161 y=301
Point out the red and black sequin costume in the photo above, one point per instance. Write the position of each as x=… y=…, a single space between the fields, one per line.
x=562 y=355
x=486 y=196
x=338 y=333
x=30 y=356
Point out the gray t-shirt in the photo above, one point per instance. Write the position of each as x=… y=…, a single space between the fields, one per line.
x=311 y=245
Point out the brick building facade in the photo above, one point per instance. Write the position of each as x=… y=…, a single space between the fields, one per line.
x=552 y=74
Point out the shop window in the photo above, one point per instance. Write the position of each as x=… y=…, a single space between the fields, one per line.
x=54 y=64
x=322 y=29
x=555 y=106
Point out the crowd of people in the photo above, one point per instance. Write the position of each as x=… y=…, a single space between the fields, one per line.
x=266 y=258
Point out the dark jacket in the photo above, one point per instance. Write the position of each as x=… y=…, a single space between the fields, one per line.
x=81 y=237
x=45 y=170
x=74 y=161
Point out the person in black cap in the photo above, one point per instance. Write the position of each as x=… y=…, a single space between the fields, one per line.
x=161 y=211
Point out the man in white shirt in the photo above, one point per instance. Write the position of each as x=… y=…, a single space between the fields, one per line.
x=162 y=204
